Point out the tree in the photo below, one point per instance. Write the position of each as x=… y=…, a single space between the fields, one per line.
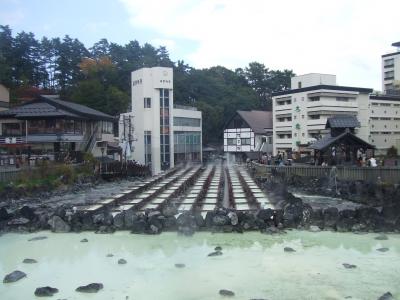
x=6 y=56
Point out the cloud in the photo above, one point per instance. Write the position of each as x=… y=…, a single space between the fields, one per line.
x=342 y=37
x=12 y=18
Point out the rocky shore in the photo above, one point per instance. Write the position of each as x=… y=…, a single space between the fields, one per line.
x=290 y=212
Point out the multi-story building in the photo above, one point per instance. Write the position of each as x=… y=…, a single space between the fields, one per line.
x=248 y=133
x=391 y=71
x=164 y=134
x=4 y=98
x=384 y=122
x=300 y=114
x=53 y=127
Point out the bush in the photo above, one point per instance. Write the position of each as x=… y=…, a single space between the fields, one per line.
x=392 y=152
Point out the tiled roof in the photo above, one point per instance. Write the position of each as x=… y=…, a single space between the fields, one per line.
x=52 y=106
x=258 y=120
x=344 y=121
x=328 y=140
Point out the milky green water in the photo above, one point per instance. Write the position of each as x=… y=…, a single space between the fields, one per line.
x=253 y=266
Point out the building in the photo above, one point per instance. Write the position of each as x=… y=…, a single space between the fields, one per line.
x=384 y=121
x=248 y=134
x=53 y=127
x=165 y=134
x=300 y=114
x=341 y=145
x=391 y=71
x=4 y=98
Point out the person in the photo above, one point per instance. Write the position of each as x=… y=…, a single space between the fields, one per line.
x=324 y=164
x=372 y=162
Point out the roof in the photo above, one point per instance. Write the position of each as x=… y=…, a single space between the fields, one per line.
x=342 y=121
x=385 y=97
x=391 y=54
x=397 y=44
x=258 y=120
x=328 y=140
x=52 y=106
x=324 y=87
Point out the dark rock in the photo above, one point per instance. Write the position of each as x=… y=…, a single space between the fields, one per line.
x=179 y=266
x=45 y=291
x=227 y=228
x=86 y=221
x=130 y=217
x=60 y=211
x=90 y=288
x=349 y=266
x=84 y=240
x=218 y=248
x=29 y=261
x=265 y=214
x=200 y=222
x=119 y=220
x=331 y=216
x=170 y=223
x=215 y=253
x=382 y=249
x=109 y=255
x=289 y=249
x=27 y=212
x=226 y=293
x=122 y=261
x=307 y=214
x=382 y=237
x=14 y=276
x=153 y=229
x=209 y=219
x=58 y=225
x=293 y=213
x=221 y=220
x=38 y=238
x=169 y=211
x=386 y=296
x=345 y=224
x=271 y=230
x=105 y=229
x=18 y=221
x=186 y=230
x=4 y=215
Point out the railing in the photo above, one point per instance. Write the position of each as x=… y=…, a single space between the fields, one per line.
x=9 y=175
x=178 y=106
x=92 y=140
x=368 y=174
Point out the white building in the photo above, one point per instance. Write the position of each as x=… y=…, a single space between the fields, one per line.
x=160 y=127
x=300 y=114
x=248 y=134
x=391 y=71
x=384 y=123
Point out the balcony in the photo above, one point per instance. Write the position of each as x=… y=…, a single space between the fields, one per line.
x=41 y=138
x=284 y=107
x=285 y=125
x=284 y=141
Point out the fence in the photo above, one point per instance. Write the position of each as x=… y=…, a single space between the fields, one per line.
x=9 y=175
x=369 y=174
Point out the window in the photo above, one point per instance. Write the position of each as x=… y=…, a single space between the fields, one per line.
x=303 y=134
x=231 y=142
x=147 y=102
x=313 y=99
x=11 y=129
x=147 y=147
x=387 y=63
x=164 y=129
x=107 y=127
x=314 y=117
x=181 y=121
x=343 y=99
x=385 y=104
x=374 y=104
x=246 y=141
x=299 y=84
x=389 y=75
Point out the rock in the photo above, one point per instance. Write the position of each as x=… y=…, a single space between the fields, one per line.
x=90 y=288
x=109 y=255
x=119 y=220
x=130 y=217
x=293 y=213
x=331 y=216
x=60 y=211
x=4 y=215
x=105 y=229
x=265 y=214
x=169 y=211
x=221 y=220
x=138 y=226
x=186 y=230
x=382 y=237
x=226 y=293
x=200 y=222
x=215 y=253
x=170 y=223
x=386 y=296
x=45 y=291
x=14 y=276
x=58 y=225
x=29 y=261
x=122 y=261
x=307 y=214
x=18 y=221
x=84 y=240
x=382 y=249
x=289 y=249
x=349 y=266
x=272 y=230
x=218 y=248
x=233 y=218
x=38 y=238
x=314 y=228
x=27 y=212
x=209 y=219
x=179 y=266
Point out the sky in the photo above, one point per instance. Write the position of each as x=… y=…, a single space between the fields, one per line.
x=342 y=37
